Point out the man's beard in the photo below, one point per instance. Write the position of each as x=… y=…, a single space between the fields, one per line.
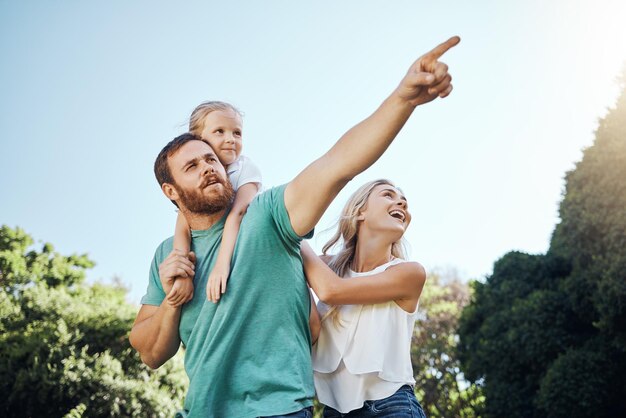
x=196 y=202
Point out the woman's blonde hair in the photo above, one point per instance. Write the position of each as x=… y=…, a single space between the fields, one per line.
x=199 y=114
x=346 y=236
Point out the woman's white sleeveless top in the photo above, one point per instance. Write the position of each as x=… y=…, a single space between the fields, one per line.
x=365 y=357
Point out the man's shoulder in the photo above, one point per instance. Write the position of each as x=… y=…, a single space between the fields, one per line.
x=267 y=204
x=164 y=248
x=268 y=210
x=167 y=242
x=270 y=198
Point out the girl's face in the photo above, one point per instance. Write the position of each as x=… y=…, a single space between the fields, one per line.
x=222 y=129
x=386 y=210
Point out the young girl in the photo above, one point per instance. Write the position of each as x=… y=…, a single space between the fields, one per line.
x=220 y=125
x=361 y=362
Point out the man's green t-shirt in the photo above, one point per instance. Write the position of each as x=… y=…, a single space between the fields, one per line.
x=249 y=355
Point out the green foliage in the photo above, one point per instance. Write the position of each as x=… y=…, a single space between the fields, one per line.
x=563 y=386
x=592 y=231
x=318 y=408
x=64 y=347
x=515 y=327
x=440 y=385
x=547 y=333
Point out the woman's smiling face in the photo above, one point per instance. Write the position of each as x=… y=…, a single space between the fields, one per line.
x=386 y=209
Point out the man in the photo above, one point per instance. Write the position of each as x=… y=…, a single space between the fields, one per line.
x=249 y=354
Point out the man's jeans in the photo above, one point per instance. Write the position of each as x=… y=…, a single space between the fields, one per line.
x=303 y=413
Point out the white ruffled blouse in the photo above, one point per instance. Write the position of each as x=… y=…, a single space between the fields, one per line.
x=367 y=356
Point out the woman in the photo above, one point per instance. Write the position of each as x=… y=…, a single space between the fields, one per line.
x=362 y=358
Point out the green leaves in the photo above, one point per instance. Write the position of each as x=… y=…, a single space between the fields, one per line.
x=19 y=268
x=440 y=385
x=64 y=347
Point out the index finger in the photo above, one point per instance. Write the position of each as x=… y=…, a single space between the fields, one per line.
x=441 y=49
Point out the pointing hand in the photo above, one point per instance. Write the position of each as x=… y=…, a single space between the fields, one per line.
x=427 y=78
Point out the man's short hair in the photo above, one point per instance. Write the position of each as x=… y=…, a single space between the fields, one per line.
x=161 y=166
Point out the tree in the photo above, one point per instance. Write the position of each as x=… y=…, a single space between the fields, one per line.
x=547 y=333
x=592 y=231
x=515 y=326
x=64 y=347
x=441 y=386
x=592 y=238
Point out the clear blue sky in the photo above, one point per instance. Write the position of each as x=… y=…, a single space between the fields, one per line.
x=90 y=92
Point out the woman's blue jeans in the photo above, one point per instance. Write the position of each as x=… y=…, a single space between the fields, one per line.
x=402 y=404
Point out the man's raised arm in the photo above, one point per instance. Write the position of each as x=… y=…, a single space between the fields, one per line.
x=308 y=195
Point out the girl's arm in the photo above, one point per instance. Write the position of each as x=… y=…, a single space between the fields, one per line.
x=404 y=281
x=182 y=290
x=216 y=284
x=182 y=235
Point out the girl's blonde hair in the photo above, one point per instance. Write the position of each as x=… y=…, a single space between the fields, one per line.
x=199 y=114
x=346 y=236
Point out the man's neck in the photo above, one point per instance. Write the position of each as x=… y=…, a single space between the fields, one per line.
x=200 y=221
